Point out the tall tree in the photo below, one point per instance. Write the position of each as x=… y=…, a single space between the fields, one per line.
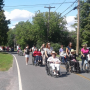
x=10 y=39
x=85 y=21
x=57 y=29
x=3 y=25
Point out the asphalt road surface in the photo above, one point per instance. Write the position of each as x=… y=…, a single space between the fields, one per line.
x=35 y=78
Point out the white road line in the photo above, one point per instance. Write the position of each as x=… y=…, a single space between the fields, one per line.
x=19 y=76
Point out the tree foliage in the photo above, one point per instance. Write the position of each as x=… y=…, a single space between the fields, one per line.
x=3 y=25
x=36 y=32
x=10 y=39
x=85 y=21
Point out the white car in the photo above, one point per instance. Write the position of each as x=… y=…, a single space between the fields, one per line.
x=1 y=49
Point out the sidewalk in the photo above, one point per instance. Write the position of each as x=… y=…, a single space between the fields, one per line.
x=9 y=79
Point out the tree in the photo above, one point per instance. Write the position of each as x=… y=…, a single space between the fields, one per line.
x=85 y=21
x=57 y=27
x=23 y=34
x=3 y=25
x=36 y=32
x=10 y=39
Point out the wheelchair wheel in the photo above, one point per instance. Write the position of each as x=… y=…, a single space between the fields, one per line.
x=78 y=70
x=67 y=66
x=51 y=71
x=21 y=54
x=47 y=70
x=87 y=67
x=33 y=60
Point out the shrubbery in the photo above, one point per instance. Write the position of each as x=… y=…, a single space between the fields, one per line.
x=56 y=47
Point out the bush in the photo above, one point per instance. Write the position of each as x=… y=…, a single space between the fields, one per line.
x=39 y=44
x=56 y=47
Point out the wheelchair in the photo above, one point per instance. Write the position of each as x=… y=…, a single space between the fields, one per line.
x=50 y=72
x=20 y=52
x=87 y=66
x=37 y=63
x=72 y=66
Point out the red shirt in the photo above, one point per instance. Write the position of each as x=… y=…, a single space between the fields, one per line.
x=37 y=53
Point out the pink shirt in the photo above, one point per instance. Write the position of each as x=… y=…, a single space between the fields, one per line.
x=85 y=51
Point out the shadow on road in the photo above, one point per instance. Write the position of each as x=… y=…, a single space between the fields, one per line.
x=13 y=52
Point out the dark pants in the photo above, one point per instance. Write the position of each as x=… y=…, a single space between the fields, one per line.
x=49 y=55
x=64 y=59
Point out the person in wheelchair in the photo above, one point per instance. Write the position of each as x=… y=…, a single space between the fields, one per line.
x=63 y=57
x=38 y=58
x=73 y=61
x=54 y=63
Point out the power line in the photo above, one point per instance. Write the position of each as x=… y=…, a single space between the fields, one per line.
x=69 y=6
x=61 y=5
x=70 y=11
x=38 y=4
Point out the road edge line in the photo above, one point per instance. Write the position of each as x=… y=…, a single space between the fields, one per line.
x=19 y=76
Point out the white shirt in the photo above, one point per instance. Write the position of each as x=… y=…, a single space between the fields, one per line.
x=62 y=54
x=51 y=59
x=33 y=49
x=88 y=56
x=17 y=47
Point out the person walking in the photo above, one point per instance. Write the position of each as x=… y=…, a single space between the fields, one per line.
x=33 y=48
x=84 y=52
x=27 y=51
x=48 y=51
x=43 y=53
x=68 y=48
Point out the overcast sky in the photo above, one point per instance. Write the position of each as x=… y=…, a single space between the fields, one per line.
x=23 y=10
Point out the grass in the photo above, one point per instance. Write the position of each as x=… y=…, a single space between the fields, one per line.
x=6 y=61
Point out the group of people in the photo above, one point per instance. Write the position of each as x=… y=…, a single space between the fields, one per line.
x=46 y=54
x=6 y=48
x=71 y=54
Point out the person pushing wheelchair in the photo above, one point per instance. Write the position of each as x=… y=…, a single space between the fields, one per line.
x=54 y=62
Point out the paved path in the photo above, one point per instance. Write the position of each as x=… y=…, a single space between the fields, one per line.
x=35 y=78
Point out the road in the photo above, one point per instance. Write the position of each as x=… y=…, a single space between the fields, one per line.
x=35 y=78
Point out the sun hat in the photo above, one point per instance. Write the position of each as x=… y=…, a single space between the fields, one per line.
x=53 y=52
x=72 y=50
x=48 y=43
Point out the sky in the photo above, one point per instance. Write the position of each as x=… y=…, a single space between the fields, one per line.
x=23 y=10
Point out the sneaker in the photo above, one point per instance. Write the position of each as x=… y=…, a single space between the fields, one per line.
x=54 y=73
x=26 y=64
x=57 y=74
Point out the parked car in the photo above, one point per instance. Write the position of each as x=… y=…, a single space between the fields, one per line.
x=1 y=48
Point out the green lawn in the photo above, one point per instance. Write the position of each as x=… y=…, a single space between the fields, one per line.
x=6 y=61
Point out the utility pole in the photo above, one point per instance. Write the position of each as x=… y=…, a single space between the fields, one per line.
x=48 y=21
x=78 y=28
